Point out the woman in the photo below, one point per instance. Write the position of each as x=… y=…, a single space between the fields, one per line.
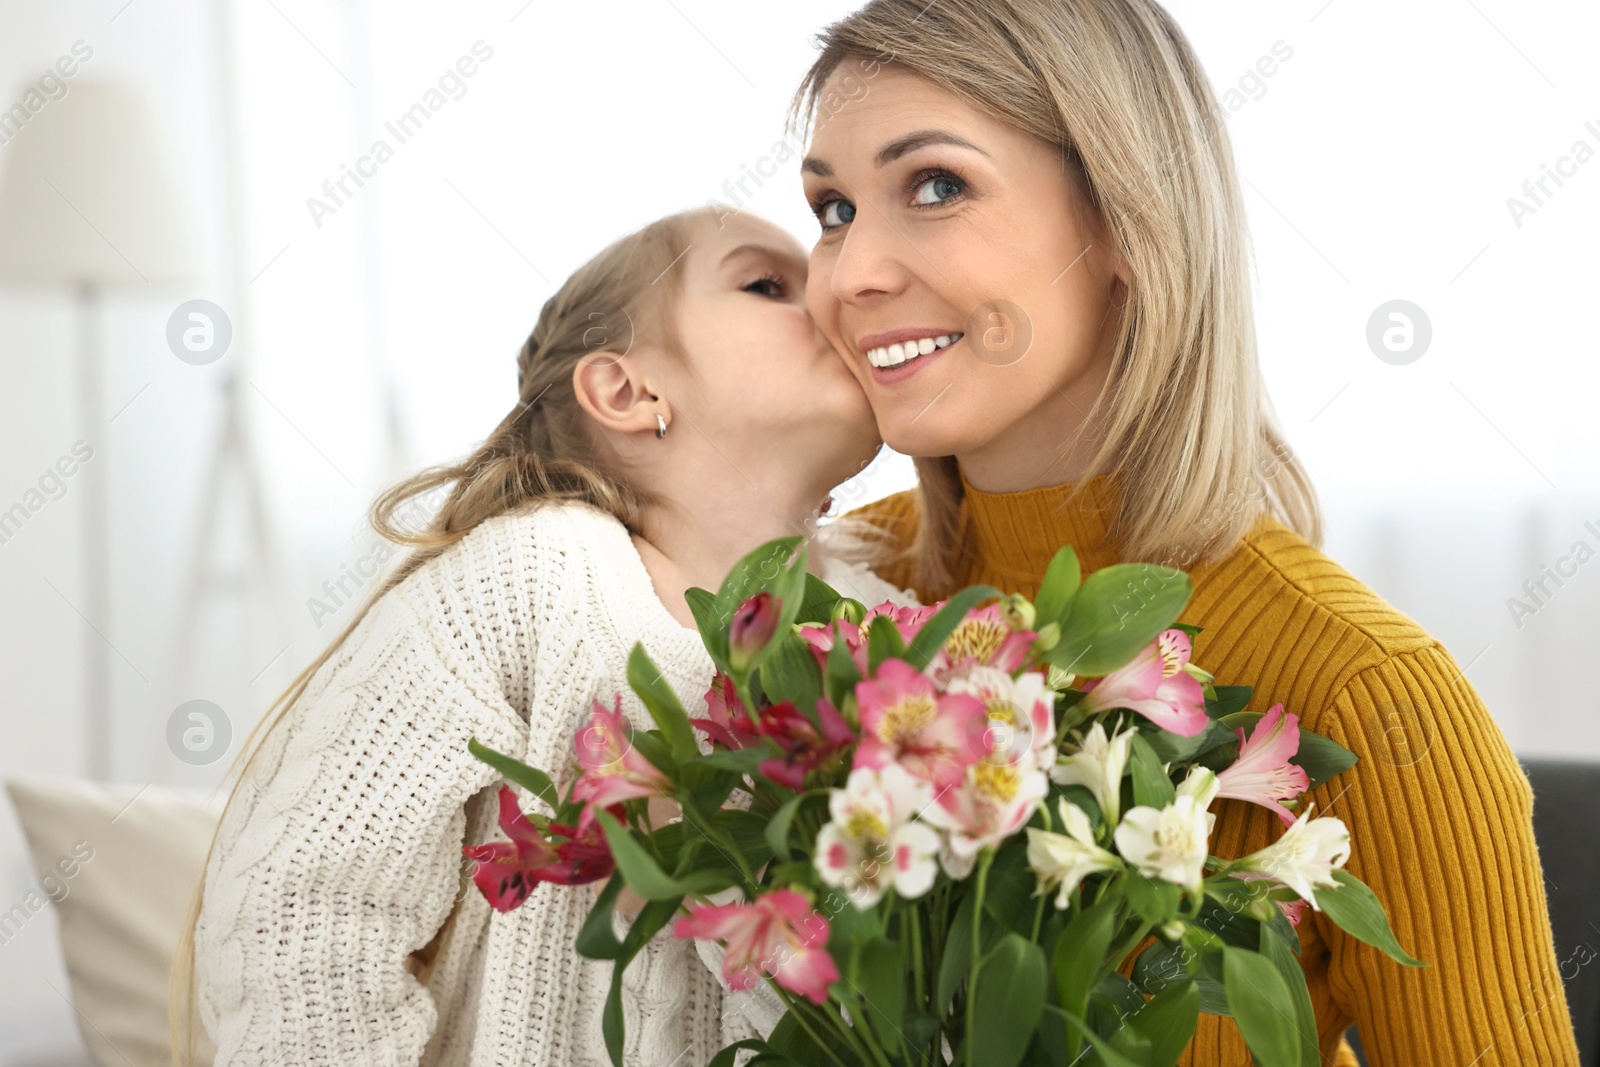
x=676 y=408
x=1033 y=257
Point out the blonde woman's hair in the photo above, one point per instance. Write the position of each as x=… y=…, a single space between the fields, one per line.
x=1184 y=420
x=542 y=450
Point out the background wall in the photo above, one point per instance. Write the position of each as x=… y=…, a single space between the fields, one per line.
x=1382 y=144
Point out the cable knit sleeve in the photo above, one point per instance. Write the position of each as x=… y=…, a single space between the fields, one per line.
x=340 y=853
x=344 y=853
x=1440 y=814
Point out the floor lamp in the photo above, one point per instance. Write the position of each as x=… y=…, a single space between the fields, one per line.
x=88 y=204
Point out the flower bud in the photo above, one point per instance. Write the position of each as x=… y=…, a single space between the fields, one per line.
x=1018 y=612
x=851 y=611
x=753 y=625
x=1049 y=637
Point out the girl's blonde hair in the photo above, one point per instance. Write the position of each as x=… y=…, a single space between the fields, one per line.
x=542 y=450
x=1184 y=419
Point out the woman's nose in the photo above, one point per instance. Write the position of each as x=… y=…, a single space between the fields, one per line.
x=869 y=263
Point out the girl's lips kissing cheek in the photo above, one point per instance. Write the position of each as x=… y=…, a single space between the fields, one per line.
x=898 y=354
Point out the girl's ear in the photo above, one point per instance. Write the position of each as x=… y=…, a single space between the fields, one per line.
x=613 y=390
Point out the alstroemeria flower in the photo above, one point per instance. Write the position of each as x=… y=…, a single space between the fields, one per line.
x=729 y=723
x=820 y=639
x=905 y=718
x=753 y=624
x=989 y=804
x=614 y=770
x=1305 y=856
x=871 y=844
x=780 y=934
x=1168 y=843
x=507 y=871
x=1097 y=765
x=1263 y=774
x=804 y=746
x=983 y=639
x=1019 y=715
x=1065 y=860
x=1155 y=685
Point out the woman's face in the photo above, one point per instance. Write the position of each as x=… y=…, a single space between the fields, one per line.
x=944 y=226
x=766 y=383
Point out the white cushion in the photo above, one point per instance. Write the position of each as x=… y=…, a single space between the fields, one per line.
x=120 y=862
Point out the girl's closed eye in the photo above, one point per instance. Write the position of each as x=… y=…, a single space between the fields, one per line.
x=768 y=284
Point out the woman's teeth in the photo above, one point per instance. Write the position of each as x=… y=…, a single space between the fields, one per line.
x=896 y=354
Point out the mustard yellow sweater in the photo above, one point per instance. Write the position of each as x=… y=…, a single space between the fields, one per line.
x=1439 y=811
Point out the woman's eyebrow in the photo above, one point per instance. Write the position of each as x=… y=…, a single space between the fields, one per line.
x=895 y=149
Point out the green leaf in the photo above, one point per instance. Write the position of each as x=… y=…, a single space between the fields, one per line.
x=1080 y=953
x=1078 y=1031
x=1061 y=580
x=766 y=1054
x=1153 y=901
x=1169 y=1020
x=790 y=673
x=1229 y=699
x=646 y=680
x=934 y=631
x=1117 y=611
x=955 y=961
x=879 y=976
x=651 y=918
x=1173 y=748
x=841 y=673
x=1277 y=952
x=532 y=779
x=1261 y=1006
x=642 y=873
x=1008 y=890
x=708 y=618
x=777 y=831
x=1356 y=910
x=883 y=641
x=597 y=940
x=816 y=604
x=1151 y=785
x=1321 y=758
x=741 y=760
x=1008 y=1001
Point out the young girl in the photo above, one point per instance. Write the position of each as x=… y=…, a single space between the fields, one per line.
x=677 y=407
x=1033 y=256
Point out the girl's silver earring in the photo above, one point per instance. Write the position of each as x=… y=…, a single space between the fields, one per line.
x=661 y=425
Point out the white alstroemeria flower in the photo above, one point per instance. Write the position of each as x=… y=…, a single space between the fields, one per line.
x=1065 y=860
x=1168 y=843
x=1020 y=724
x=1305 y=856
x=1098 y=765
x=1202 y=784
x=871 y=844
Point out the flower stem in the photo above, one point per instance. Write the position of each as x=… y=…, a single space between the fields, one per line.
x=984 y=859
x=798 y=1008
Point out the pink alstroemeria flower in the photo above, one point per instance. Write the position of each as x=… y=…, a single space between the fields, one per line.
x=804 y=746
x=905 y=718
x=754 y=622
x=1263 y=774
x=907 y=618
x=1156 y=686
x=983 y=639
x=507 y=871
x=780 y=934
x=614 y=770
x=729 y=723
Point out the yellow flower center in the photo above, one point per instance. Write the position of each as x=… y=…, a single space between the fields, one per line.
x=997 y=782
x=978 y=639
x=905 y=718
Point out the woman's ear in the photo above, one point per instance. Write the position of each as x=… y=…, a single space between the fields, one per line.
x=613 y=390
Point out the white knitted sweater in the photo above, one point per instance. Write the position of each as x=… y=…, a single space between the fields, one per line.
x=340 y=854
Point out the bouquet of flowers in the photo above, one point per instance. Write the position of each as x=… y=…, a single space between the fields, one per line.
x=944 y=833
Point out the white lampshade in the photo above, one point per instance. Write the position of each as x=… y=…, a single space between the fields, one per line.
x=87 y=195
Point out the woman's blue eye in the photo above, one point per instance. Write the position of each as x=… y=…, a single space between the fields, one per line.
x=943 y=187
x=836 y=213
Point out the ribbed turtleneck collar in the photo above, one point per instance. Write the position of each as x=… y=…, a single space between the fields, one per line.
x=1016 y=534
